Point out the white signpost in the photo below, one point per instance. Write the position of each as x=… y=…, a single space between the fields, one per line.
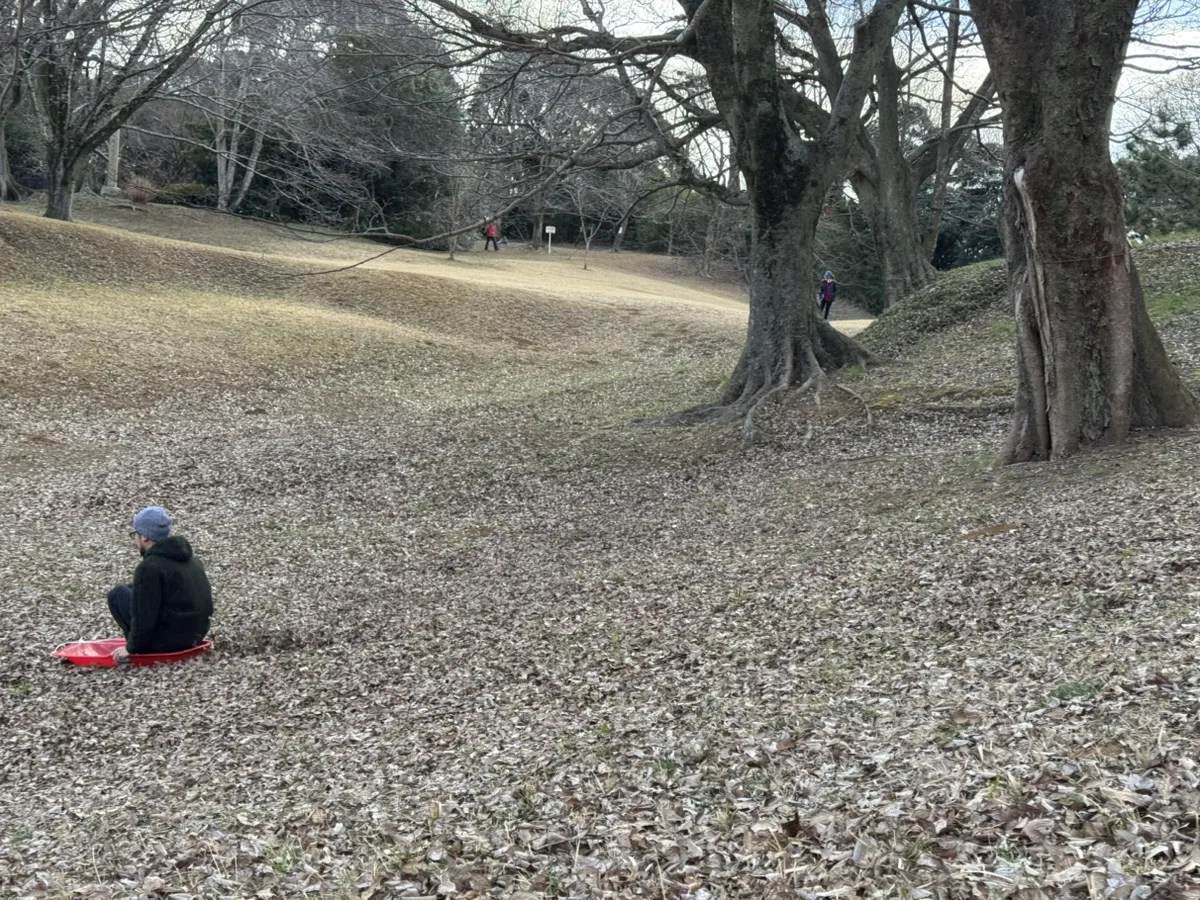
x=550 y=230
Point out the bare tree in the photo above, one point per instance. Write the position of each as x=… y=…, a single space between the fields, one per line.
x=787 y=176
x=528 y=114
x=13 y=42
x=240 y=74
x=644 y=184
x=262 y=76
x=464 y=197
x=711 y=227
x=736 y=44
x=901 y=151
x=94 y=63
x=329 y=112
x=597 y=199
x=1091 y=365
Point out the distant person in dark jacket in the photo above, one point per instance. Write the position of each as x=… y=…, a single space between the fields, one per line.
x=827 y=293
x=169 y=604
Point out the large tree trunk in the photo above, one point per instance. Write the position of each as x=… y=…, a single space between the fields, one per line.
x=887 y=179
x=9 y=190
x=887 y=186
x=787 y=179
x=889 y=199
x=786 y=341
x=1091 y=365
x=60 y=184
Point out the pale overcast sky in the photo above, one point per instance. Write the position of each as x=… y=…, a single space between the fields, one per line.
x=1135 y=97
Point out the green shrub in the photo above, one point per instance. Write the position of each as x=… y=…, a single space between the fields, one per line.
x=185 y=194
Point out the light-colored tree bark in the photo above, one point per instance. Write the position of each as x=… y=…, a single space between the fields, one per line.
x=112 y=171
x=233 y=116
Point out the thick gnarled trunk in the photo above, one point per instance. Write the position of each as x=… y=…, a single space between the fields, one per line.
x=1091 y=365
x=886 y=184
x=786 y=179
x=887 y=178
x=786 y=341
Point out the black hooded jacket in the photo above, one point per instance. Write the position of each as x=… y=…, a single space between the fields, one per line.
x=172 y=600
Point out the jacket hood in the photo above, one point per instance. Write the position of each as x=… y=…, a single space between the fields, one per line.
x=174 y=547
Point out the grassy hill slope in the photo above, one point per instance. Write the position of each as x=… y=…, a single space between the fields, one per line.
x=115 y=318
x=952 y=342
x=481 y=636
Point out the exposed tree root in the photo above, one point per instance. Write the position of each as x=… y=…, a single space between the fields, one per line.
x=756 y=381
x=744 y=410
x=815 y=384
x=766 y=393
x=749 y=432
x=969 y=410
x=866 y=406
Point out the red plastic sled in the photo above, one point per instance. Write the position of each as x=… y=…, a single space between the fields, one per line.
x=99 y=653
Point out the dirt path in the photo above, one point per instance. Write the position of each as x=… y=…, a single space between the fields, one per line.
x=851 y=326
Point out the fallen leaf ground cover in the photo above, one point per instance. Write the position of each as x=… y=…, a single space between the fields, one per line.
x=480 y=634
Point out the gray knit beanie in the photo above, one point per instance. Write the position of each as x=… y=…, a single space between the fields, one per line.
x=829 y=275
x=153 y=523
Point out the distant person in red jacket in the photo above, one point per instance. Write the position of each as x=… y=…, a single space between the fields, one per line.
x=489 y=236
x=827 y=293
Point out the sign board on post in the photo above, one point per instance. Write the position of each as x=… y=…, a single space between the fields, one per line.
x=550 y=231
